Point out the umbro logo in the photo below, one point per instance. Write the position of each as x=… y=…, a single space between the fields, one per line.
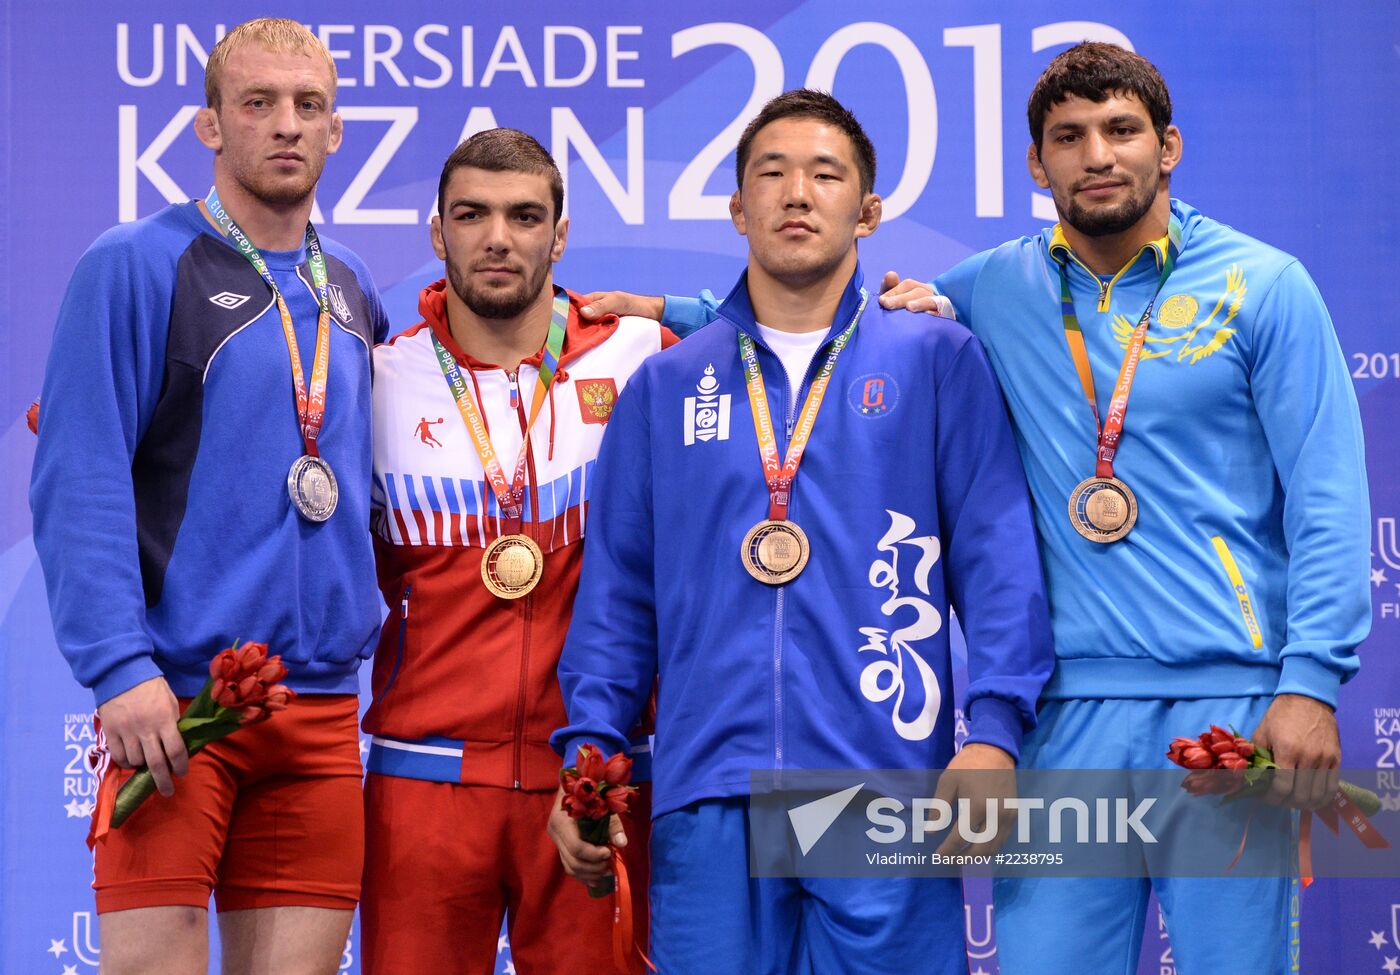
x=227 y=299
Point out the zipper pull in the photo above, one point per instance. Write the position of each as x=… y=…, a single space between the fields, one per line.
x=403 y=605
x=514 y=390
x=1103 y=294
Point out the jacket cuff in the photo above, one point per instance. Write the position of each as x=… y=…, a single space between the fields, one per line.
x=683 y=315
x=1304 y=675
x=992 y=721
x=124 y=677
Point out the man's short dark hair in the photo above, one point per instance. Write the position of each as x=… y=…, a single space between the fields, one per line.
x=819 y=105
x=1097 y=71
x=504 y=151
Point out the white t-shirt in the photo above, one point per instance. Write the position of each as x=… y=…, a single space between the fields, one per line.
x=795 y=349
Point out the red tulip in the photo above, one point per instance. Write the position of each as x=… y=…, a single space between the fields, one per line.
x=1197 y=757
x=590 y=762
x=618 y=770
x=1178 y=748
x=278 y=698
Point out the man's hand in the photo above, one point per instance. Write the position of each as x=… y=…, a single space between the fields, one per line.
x=978 y=773
x=911 y=295
x=1301 y=733
x=140 y=729
x=620 y=303
x=582 y=860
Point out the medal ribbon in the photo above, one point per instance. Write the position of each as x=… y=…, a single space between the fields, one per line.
x=780 y=478
x=509 y=494
x=1110 y=430
x=311 y=406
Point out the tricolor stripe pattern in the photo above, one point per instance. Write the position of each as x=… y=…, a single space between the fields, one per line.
x=442 y=511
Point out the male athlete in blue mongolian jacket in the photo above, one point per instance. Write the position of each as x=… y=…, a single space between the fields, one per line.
x=1228 y=583
x=804 y=628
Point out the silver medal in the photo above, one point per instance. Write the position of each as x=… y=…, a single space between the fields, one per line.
x=312 y=487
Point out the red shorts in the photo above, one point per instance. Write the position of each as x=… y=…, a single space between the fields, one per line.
x=270 y=816
x=445 y=862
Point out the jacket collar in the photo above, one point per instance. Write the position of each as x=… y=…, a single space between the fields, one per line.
x=1058 y=248
x=579 y=335
x=737 y=309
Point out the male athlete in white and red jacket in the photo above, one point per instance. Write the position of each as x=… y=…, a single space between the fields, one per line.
x=488 y=417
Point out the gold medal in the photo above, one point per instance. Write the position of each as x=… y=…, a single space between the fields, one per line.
x=1102 y=509
x=511 y=566
x=775 y=552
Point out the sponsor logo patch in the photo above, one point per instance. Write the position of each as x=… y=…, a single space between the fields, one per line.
x=227 y=299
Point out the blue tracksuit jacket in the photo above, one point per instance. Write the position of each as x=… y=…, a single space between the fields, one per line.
x=914 y=501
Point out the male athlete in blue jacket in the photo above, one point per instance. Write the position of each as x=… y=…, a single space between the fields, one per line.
x=802 y=623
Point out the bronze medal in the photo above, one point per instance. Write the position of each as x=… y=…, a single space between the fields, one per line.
x=775 y=552
x=1103 y=509
x=511 y=566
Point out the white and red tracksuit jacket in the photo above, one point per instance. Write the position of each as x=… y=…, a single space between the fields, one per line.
x=464 y=686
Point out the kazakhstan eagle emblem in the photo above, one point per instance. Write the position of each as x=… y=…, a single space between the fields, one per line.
x=1178 y=313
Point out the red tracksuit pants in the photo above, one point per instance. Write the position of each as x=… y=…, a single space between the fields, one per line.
x=444 y=863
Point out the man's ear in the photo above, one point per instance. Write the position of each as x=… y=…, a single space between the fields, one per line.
x=561 y=239
x=1034 y=165
x=439 y=247
x=736 y=213
x=1171 y=149
x=337 y=133
x=870 y=213
x=206 y=129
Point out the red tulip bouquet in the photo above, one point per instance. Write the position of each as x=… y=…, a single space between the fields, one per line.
x=1218 y=749
x=242 y=690
x=593 y=791
x=1215 y=753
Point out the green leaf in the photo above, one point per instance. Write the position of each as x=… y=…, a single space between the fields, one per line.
x=203 y=703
